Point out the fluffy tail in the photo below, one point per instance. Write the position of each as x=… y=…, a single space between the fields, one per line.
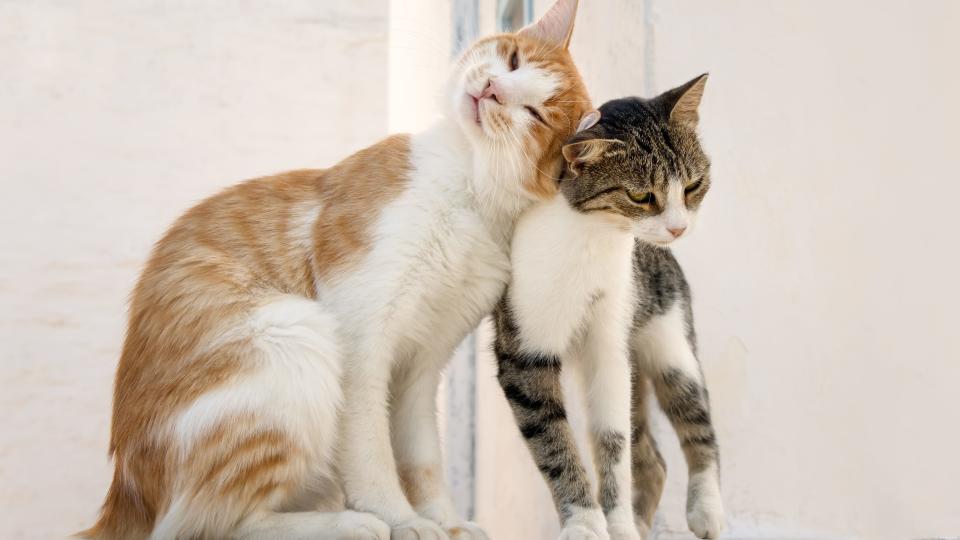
x=123 y=515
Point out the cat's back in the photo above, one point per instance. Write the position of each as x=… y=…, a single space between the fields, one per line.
x=265 y=232
x=232 y=239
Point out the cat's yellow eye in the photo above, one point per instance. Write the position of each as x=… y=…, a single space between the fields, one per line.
x=645 y=198
x=514 y=60
x=692 y=187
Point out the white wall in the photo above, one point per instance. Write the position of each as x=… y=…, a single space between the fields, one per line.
x=825 y=263
x=421 y=43
x=114 y=118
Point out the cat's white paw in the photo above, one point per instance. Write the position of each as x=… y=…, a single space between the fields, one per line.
x=418 y=528
x=623 y=531
x=579 y=532
x=467 y=531
x=705 y=507
x=705 y=517
x=360 y=526
x=441 y=512
x=585 y=524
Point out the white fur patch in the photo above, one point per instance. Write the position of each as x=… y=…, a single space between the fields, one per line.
x=584 y=523
x=562 y=262
x=303 y=217
x=293 y=383
x=663 y=343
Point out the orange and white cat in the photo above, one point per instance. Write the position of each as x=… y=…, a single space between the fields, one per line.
x=286 y=338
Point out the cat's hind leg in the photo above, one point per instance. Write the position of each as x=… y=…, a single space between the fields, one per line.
x=242 y=455
x=648 y=467
x=666 y=348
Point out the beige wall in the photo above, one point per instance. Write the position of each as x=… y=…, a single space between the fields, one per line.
x=825 y=263
x=114 y=118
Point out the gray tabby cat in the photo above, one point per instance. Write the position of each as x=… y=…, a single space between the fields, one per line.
x=594 y=288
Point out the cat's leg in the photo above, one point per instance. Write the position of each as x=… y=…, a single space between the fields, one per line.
x=649 y=468
x=605 y=371
x=531 y=384
x=678 y=381
x=249 y=448
x=367 y=465
x=416 y=445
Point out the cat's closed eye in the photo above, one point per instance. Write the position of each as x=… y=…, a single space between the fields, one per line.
x=533 y=112
x=693 y=187
x=643 y=199
x=514 y=60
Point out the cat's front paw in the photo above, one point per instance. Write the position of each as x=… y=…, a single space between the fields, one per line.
x=623 y=531
x=467 y=531
x=442 y=513
x=705 y=515
x=705 y=523
x=418 y=528
x=579 y=532
x=585 y=524
x=360 y=526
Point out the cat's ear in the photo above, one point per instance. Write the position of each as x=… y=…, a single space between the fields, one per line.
x=684 y=100
x=581 y=153
x=589 y=120
x=556 y=25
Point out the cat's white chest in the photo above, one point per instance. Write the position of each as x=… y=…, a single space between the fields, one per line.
x=437 y=268
x=564 y=263
x=462 y=284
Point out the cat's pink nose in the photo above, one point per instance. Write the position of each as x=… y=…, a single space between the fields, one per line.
x=677 y=231
x=492 y=91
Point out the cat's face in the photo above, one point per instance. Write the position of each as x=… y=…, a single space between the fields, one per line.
x=642 y=164
x=519 y=96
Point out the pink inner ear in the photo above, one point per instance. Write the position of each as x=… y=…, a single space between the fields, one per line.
x=556 y=25
x=589 y=120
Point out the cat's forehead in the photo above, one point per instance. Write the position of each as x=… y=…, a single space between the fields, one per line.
x=652 y=163
x=661 y=152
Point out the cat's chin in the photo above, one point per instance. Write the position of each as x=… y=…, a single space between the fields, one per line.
x=657 y=242
x=471 y=109
x=654 y=239
x=467 y=114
